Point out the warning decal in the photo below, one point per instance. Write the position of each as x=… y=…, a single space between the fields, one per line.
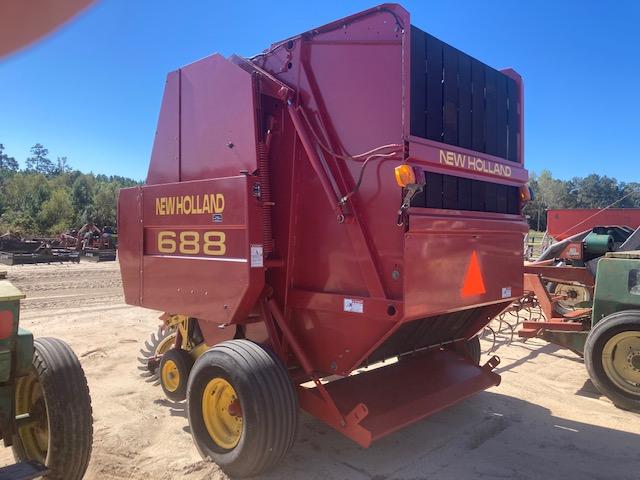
x=353 y=305
x=473 y=281
x=256 y=256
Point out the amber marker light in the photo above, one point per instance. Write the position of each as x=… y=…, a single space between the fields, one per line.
x=404 y=175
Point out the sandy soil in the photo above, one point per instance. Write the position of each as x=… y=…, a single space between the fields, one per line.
x=545 y=420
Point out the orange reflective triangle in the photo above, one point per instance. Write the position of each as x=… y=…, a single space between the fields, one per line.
x=473 y=281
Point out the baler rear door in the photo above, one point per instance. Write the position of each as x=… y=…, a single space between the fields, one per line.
x=459 y=260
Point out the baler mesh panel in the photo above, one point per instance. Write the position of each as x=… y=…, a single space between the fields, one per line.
x=458 y=100
x=449 y=192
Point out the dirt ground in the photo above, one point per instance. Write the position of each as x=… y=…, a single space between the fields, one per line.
x=545 y=420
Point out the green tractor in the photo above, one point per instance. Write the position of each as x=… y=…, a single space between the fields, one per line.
x=45 y=407
x=604 y=329
x=612 y=346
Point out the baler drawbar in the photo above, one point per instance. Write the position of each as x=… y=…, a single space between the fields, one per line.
x=327 y=224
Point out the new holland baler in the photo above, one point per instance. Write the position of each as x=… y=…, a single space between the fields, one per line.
x=351 y=195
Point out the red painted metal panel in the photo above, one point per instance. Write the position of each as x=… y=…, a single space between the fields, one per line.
x=217 y=120
x=383 y=400
x=195 y=257
x=563 y=224
x=130 y=242
x=452 y=160
x=447 y=244
x=6 y=324
x=165 y=156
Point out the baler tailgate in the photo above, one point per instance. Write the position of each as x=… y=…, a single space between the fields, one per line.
x=400 y=394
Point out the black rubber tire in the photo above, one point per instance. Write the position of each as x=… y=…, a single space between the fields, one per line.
x=473 y=348
x=268 y=402
x=68 y=405
x=604 y=330
x=184 y=363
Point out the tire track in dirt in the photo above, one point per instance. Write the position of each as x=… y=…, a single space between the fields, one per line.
x=55 y=287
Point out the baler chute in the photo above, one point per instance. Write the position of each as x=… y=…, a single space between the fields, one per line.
x=275 y=229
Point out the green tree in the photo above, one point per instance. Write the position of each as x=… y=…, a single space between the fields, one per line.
x=62 y=166
x=105 y=204
x=595 y=191
x=82 y=196
x=56 y=214
x=7 y=163
x=38 y=161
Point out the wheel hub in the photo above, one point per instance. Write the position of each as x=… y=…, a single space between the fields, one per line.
x=621 y=361
x=222 y=413
x=170 y=376
x=634 y=361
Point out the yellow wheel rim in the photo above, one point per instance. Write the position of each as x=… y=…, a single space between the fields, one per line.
x=165 y=344
x=34 y=432
x=170 y=375
x=621 y=361
x=222 y=413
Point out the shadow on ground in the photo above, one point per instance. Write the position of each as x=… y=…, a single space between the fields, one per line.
x=487 y=436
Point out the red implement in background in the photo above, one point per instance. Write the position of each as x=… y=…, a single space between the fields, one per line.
x=564 y=223
x=262 y=219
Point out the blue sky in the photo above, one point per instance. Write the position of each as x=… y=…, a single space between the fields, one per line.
x=92 y=91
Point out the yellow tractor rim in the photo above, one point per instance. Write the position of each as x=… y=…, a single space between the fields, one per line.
x=621 y=361
x=170 y=376
x=222 y=413
x=33 y=431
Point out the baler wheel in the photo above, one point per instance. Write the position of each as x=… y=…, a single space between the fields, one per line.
x=612 y=358
x=175 y=367
x=242 y=407
x=58 y=431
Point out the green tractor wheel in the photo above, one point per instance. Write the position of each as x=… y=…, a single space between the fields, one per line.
x=612 y=358
x=55 y=426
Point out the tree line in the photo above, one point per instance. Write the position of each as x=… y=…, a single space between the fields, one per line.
x=592 y=191
x=48 y=197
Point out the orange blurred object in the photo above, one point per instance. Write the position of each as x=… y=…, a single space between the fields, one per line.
x=23 y=22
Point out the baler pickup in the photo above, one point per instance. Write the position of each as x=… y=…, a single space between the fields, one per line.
x=379 y=401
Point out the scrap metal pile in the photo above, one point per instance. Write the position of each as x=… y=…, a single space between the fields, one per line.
x=90 y=243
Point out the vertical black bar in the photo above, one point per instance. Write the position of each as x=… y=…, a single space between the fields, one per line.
x=513 y=120
x=450 y=192
x=450 y=94
x=464 y=101
x=434 y=190
x=502 y=113
x=501 y=199
x=513 y=200
x=477 y=105
x=418 y=85
x=477 y=196
x=434 y=88
x=464 y=193
x=491 y=112
x=490 y=197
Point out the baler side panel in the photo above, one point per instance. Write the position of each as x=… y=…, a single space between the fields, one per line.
x=165 y=156
x=329 y=70
x=197 y=243
x=130 y=242
x=217 y=120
